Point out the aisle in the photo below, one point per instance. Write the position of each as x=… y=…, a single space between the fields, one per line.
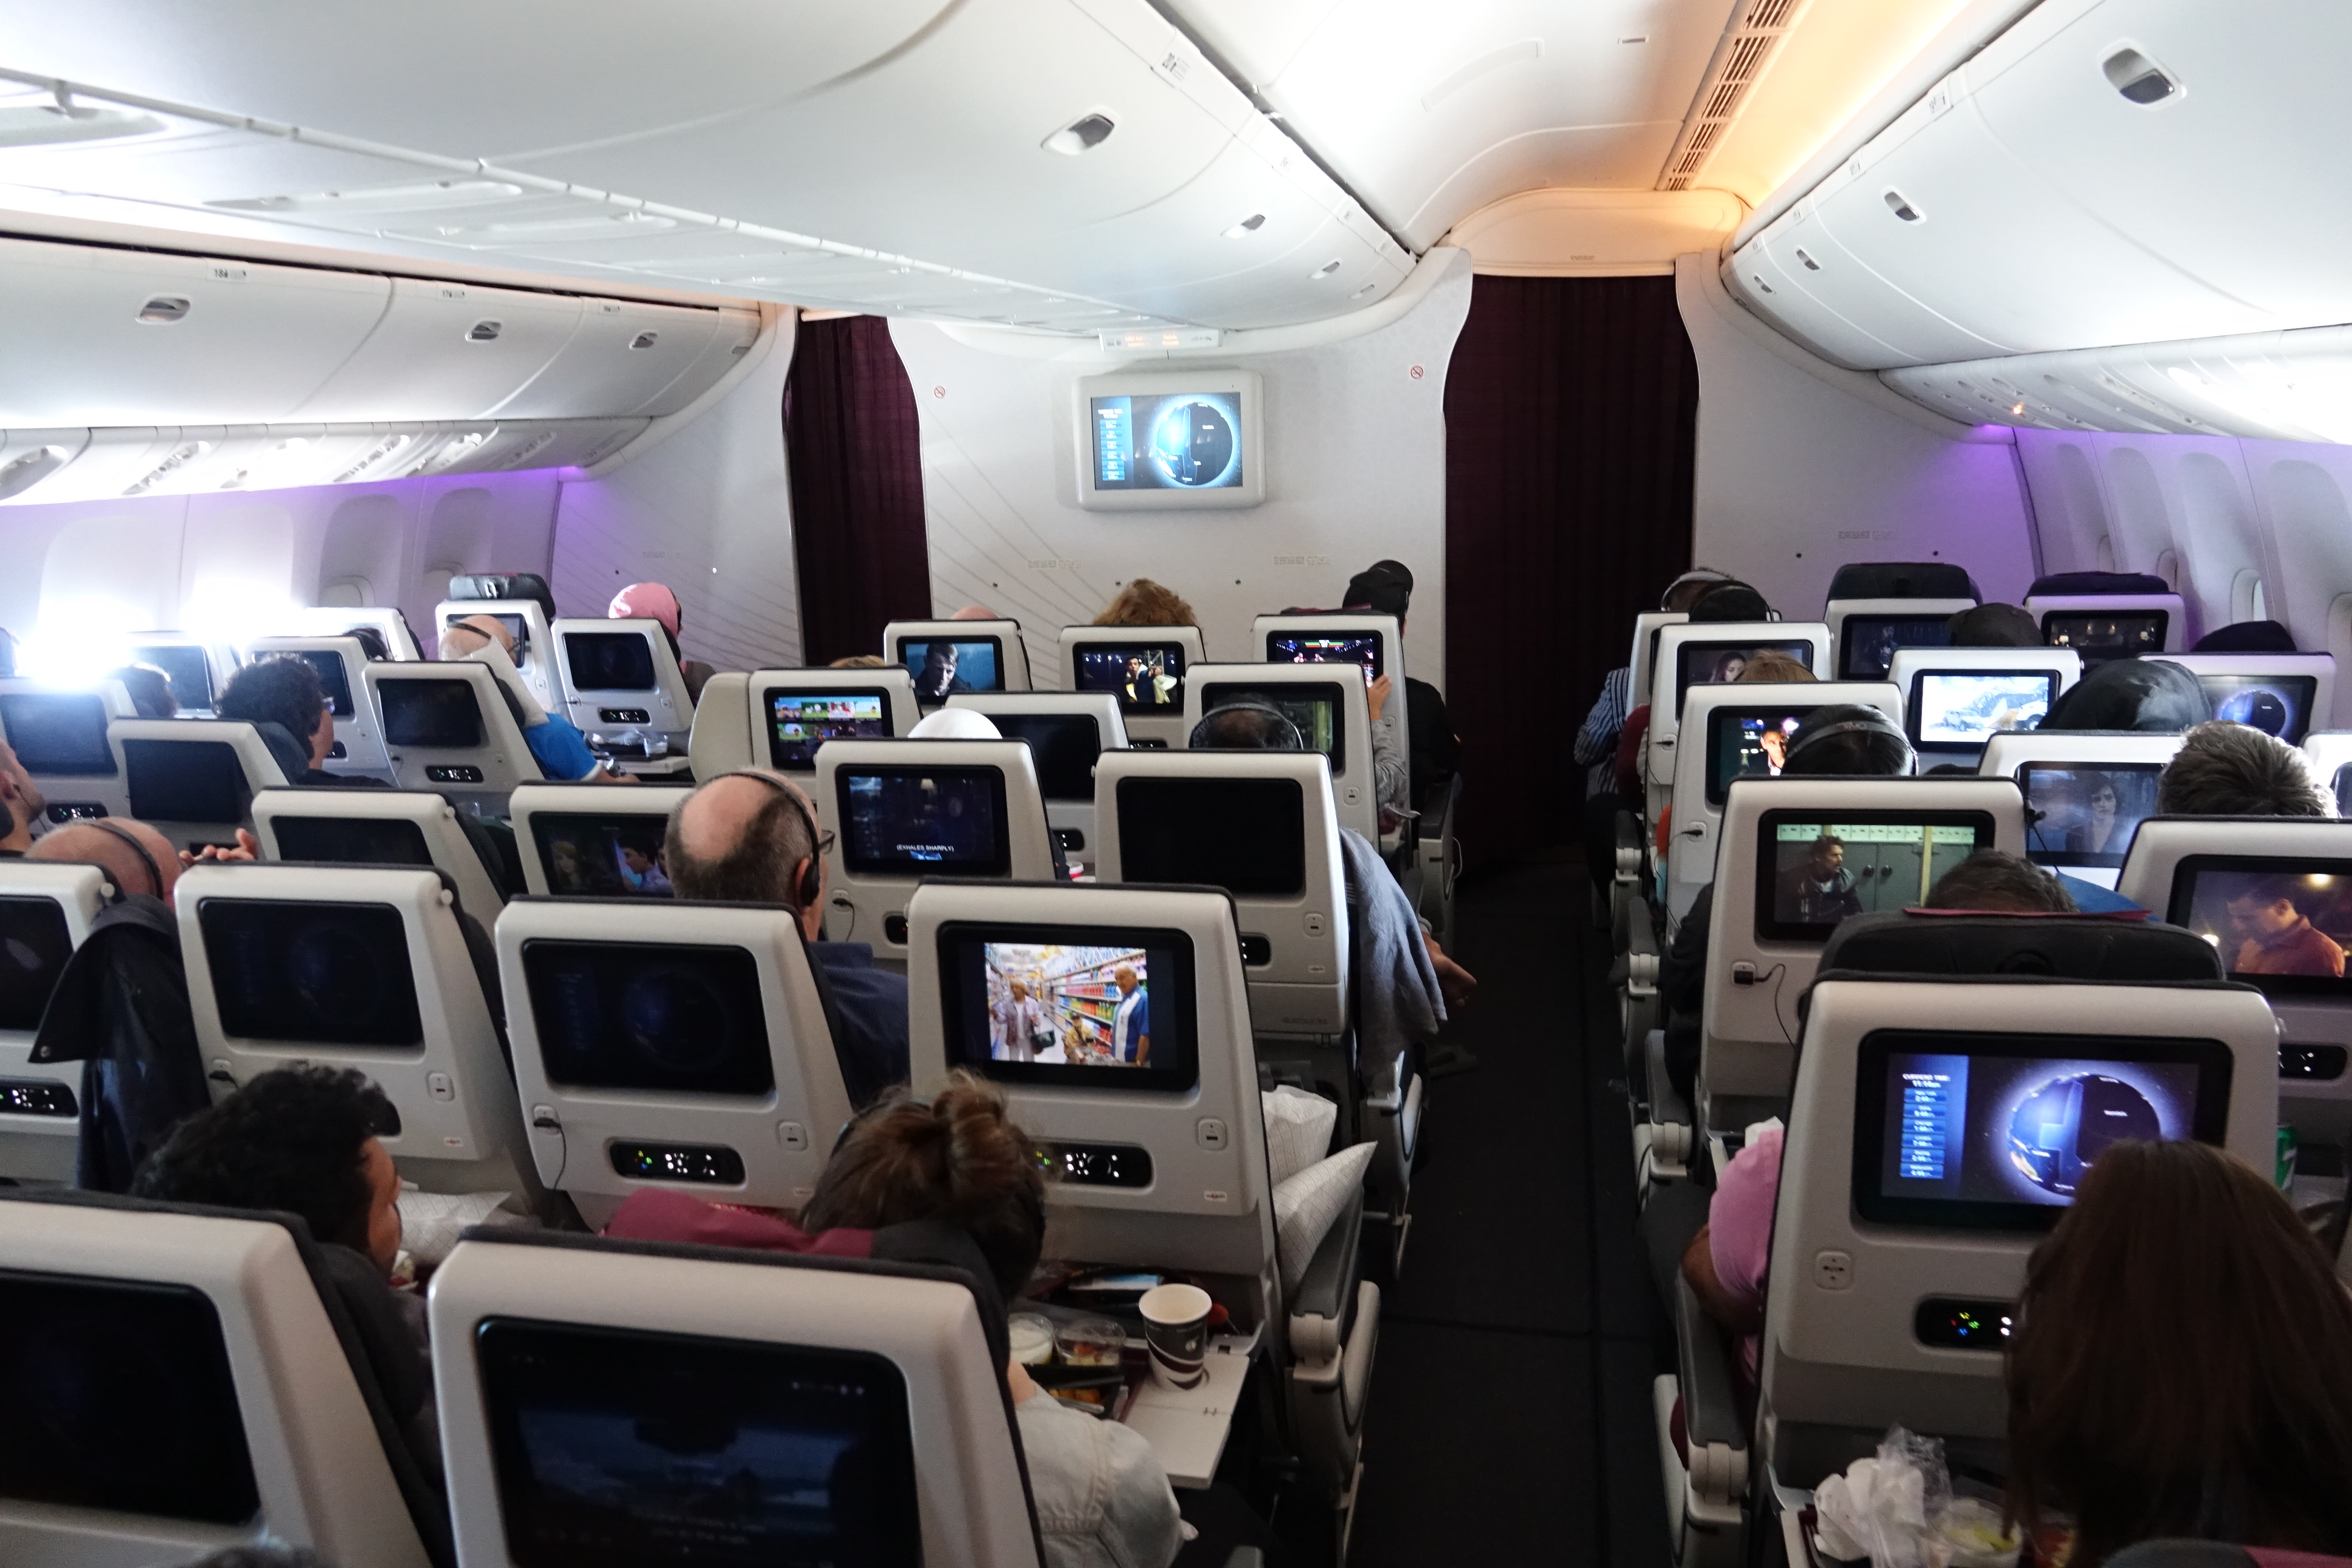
x=1510 y=1409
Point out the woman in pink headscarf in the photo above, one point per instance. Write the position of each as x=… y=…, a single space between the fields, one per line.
x=653 y=602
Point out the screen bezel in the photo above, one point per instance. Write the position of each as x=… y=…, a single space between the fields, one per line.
x=2240 y=680
x=104 y=753
x=767 y=706
x=142 y=754
x=914 y=672
x=398 y=1026
x=301 y=823
x=903 y=868
x=1175 y=654
x=1212 y=697
x=2182 y=906
x=755 y=1079
x=1767 y=827
x=2025 y=773
x=1847 y=637
x=1373 y=671
x=1719 y=722
x=1296 y=801
x=1914 y=719
x=1181 y=1076
x=1802 y=650
x=2215 y=1062
x=2163 y=619
x=642 y=639
x=387 y=686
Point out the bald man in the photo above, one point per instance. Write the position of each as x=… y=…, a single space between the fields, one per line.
x=975 y=613
x=751 y=837
x=136 y=857
x=556 y=743
x=21 y=804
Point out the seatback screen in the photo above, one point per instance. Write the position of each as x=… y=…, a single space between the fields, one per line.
x=517 y=625
x=57 y=734
x=1328 y=648
x=1145 y=678
x=438 y=715
x=2083 y=815
x=623 y=1448
x=35 y=943
x=924 y=822
x=186 y=666
x=1245 y=835
x=2275 y=704
x=352 y=840
x=801 y=721
x=1996 y=1132
x=1815 y=870
x=653 y=1017
x=942 y=669
x=1867 y=644
x=1095 y=1005
x=1314 y=707
x=185 y=781
x=1959 y=709
x=2099 y=638
x=306 y=973
x=610 y=661
x=592 y=855
x=1061 y=747
x=1714 y=663
x=1748 y=742
x=328 y=664
x=2281 y=924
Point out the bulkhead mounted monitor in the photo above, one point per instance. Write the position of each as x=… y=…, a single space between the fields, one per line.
x=1171 y=440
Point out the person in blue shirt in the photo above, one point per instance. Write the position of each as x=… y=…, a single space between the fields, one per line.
x=1130 y=1022
x=555 y=742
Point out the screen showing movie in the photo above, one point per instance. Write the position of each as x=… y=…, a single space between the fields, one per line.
x=1867 y=644
x=1312 y=706
x=2275 y=704
x=625 y=1448
x=1145 y=678
x=1079 y=1005
x=591 y=857
x=2099 y=638
x=34 y=946
x=328 y=664
x=2279 y=924
x=801 y=721
x=943 y=669
x=1747 y=743
x=1327 y=648
x=1061 y=748
x=1171 y=441
x=1709 y=663
x=1257 y=850
x=610 y=661
x=185 y=781
x=1813 y=872
x=2081 y=816
x=436 y=715
x=310 y=974
x=652 y=1017
x=1998 y=1131
x=183 y=664
x=57 y=734
x=1959 y=709
x=924 y=822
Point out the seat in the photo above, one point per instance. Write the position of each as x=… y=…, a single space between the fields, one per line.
x=526 y=620
x=447 y=729
x=2063 y=774
x=2192 y=871
x=1097 y=659
x=591 y=841
x=2282 y=694
x=667 y=1044
x=1333 y=716
x=1957 y=698
x=1160 y=1164
x=1878 y=606
x=651 y=1397
x=186 y=1380
x=989 y=655
x=196 y=668
x=359 y=750
x=904 y=810
x=2108 y=614
x=778 y=718
x=1648 y=627
x=335 y=620
x=1375 y=642
x=58 y=734
x=621 y=687
x=1066 y=732
x=2330 y=752
x=1696 y=654
x=193 y=780
x=380 y=827
x=45 y=913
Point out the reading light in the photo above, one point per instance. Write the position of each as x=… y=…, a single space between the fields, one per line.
x=1324 y=271
x=2140 y=80
x=1084 y=134
x=163 y=308
x=24 y=471
x=1247 y=226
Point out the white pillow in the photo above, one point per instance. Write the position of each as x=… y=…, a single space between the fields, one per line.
x=1297 y=1130
x=1307 y=1204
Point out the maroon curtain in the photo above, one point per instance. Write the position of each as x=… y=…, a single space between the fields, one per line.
x=855 y=455
x=1571 y=419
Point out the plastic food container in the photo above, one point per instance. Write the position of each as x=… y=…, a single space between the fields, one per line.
x=1031 y=1334
x=1090 y=1342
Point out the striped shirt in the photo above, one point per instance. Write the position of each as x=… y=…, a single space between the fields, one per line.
x=1596 y=743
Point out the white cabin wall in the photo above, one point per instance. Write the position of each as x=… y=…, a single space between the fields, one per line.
x=1355 y=465
x=707 y=512
x=1803 y=466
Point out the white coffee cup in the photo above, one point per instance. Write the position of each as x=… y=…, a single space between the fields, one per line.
x=1176 y=1330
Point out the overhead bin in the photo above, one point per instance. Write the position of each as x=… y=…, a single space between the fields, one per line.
x=448 y=351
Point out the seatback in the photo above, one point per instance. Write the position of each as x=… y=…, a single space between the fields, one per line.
x=526 y=621
x=2202 y=872
x=1899 y=835
x=447 y=729
x=670 y=1385
x=1936 y=1128
x=1374 y=642
x=1698 y=653
x=357 y=966
x=359 y=732
x=1259 y=825
x=377 y=827
x=2065 y=776
x=185 y=1385
x=1867 y=631
x=1065 y=731
x=904 y=810
x=2101 y=626
x=1954 y=699
x=620 y=676
x=1649 y=628
x=193 y=780
x=1332 y=710
x=784 y=716
x=1097 y=659
x=592 y=841
x=2330 y=752
x=44 y=912
x=196 y=668
x=2283 y=694
x=1164 y=1163
x=670 y=1043
x=1738 y=731
x=989 y=655
x=59 y=733
x=334 y=620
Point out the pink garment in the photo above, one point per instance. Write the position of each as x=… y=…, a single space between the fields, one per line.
x=2272 y=1557
x=657 y=1213
x=1739 y=1232
x=645 y=601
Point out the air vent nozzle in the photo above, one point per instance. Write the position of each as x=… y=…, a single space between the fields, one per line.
x=645 y=340
x=163 y=308
x=484 y=331
x=2137 y=78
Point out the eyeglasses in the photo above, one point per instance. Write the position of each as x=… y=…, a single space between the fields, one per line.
x=824 y=842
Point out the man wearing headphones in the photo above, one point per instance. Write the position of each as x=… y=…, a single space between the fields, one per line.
x=752 y=838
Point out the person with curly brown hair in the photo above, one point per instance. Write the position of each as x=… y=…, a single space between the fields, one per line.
x=1144 y=603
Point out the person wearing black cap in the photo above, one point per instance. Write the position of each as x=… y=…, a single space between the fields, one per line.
x=1385 y=588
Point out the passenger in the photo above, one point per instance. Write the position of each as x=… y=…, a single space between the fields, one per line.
x=22 y=806
x=1385 y=588
x=861 y=661
x=1718 y=601
x=559 y=748
x=149 y=689
x=303 y=1141
x=1772 y=666
x=976 y=613
x=1144 y=603
x=1992 y=626
x=752 y=838
x=371 y=643
x=2247 y=637
x=2225 y=1416
x=2275 y=937
x=653 y=602
x=2234 y=769
x=280 y=696
x=1994 y=881
x=2153 y=695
